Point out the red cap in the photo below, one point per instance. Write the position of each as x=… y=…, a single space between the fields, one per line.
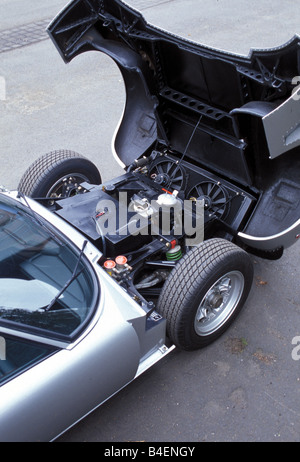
x=109 y=264
x=121 y=260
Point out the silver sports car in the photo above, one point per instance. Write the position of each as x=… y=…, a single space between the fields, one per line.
x=99 y=281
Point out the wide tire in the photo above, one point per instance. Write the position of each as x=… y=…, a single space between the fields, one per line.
x=58 y=174
x=205 y=292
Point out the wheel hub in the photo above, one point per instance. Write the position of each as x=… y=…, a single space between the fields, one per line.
x=215 y=300
x=219 y=302
x=68 y=186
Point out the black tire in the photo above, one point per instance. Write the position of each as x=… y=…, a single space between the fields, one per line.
x=58 y=174
x=205 y=292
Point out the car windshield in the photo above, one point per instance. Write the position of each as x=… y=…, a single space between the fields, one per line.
x=46 y=284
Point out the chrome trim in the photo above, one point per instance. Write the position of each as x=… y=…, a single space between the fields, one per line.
x=284 y=239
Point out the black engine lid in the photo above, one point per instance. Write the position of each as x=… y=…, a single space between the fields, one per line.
x=174 y=85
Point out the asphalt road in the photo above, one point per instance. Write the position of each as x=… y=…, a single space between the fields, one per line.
x=244 y=387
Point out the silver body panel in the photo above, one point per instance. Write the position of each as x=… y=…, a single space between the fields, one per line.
x=50 y=397
x=282 y=127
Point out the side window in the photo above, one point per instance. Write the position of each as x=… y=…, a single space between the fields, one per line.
x=18 y=354
x=46 y=283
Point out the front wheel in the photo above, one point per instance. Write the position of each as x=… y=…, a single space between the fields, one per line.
x=58 y=174
x=205 y=292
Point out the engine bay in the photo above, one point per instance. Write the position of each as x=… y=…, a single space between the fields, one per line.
x=139 y=220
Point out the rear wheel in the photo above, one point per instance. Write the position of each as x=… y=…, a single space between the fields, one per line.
x=58 y=174
x=205 y=292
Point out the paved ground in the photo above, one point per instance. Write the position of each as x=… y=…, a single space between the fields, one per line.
x=244 y=387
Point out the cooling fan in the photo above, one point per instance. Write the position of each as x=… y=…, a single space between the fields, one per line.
x=168 y=173
x=215 y=198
